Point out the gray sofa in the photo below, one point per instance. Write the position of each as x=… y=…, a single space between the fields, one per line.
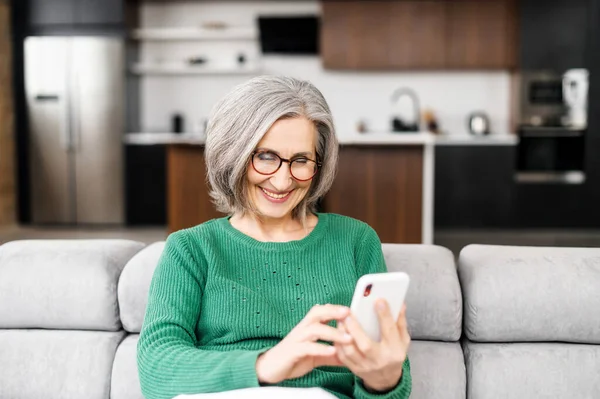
x=71 y=312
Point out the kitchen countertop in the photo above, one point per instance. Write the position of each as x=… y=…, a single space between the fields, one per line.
x=463 y=139
x=163 y=138
x=379 y=138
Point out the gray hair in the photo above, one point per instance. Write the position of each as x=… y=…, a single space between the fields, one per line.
x=240 y=120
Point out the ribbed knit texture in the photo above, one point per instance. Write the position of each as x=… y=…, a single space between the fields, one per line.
x=219 y=298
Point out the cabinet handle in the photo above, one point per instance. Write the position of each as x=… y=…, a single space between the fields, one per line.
x=46 y=97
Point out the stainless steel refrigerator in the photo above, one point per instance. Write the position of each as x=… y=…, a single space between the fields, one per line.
x=75 y=99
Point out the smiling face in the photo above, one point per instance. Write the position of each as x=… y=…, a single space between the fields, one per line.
x=275 y=196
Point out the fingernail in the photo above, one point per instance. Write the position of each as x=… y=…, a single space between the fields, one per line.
x=380 y=305
x=331 y=349
x=343 y=311
x=348 y=337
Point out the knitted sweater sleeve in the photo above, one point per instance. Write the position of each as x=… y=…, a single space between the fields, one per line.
x=369 y=259
x=169 y=362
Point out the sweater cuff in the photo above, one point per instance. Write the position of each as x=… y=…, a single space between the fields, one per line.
x=400 y=391
x=243 y=370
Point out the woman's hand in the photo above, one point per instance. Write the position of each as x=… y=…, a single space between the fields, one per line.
x=298 y=353
x=378 y=364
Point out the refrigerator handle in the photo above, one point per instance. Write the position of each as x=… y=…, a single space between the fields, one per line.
x=71 y=102
x=66 y=125
x=75 y=113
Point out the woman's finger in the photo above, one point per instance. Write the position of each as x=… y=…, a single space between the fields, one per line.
x=349 y=354
x=320 y=361
x=315 y=350
x=346 y=360
x=323 y=332
x=363 y=342
x=402 y=325
x=325 y=313
x=387 y=325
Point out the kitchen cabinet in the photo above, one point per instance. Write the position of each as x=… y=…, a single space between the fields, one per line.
x=145 y=185
x=51 y=12
x=188 y=198
x=553 y=34
x=383 y=187
x=417 y=34
x=71 y=16
x=380 y=185
x=481 y=34
x=474 y=186
x=103 y=12
x=391 y=35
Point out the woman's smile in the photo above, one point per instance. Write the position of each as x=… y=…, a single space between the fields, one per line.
x=277 y=198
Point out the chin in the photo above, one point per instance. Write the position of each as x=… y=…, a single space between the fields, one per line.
x=267 y=209
x=269 y=212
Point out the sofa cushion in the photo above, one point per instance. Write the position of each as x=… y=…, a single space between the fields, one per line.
x=437 y=370
x=125 y=382
x=134 y=286
x=62 y=284
x=434 y=299
x=517 y=294
x=56 y=364
x=532 y=370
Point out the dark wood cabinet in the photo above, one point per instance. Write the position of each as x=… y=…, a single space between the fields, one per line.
x=553 y=34
x=474 y=186
x=382 y=186
x=353 y=35
x=391 y=35
x=417 y=34
x=481 y=34
x=188 y=200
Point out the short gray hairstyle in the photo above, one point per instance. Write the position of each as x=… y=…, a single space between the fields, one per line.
x=240 y=120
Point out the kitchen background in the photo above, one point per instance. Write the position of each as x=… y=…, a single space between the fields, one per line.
x=505 y=90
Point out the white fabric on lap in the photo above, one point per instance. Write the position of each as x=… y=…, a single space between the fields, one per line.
x=265 y=393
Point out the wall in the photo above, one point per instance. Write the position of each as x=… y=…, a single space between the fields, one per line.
x=352 y=96
x=7 y=171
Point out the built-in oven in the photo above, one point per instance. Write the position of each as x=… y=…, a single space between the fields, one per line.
x=551 y=147
x=551 y=155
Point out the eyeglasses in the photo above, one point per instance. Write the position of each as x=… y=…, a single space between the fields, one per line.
x=268 y=163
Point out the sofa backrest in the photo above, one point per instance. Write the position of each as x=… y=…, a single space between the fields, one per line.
x=434 y=315
x=134 y=286
x=532 y=321
x=434 y=299
x=59 y=318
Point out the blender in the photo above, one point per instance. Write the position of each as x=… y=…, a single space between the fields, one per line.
x=575 y=91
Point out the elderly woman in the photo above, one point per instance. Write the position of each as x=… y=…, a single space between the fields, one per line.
x=261 y=297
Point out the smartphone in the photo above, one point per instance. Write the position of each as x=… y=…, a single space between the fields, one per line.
x=370 y=287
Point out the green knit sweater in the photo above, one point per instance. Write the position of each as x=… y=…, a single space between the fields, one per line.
x=219 y=298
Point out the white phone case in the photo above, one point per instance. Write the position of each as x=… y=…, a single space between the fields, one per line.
x=390 y=286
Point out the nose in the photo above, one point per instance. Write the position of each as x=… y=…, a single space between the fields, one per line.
x=282 y=179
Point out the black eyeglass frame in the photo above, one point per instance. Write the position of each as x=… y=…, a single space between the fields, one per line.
x=281 y=161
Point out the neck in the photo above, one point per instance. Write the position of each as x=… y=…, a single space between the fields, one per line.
x=270 y=229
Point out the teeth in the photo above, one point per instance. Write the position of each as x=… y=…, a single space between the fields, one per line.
x=274 y=196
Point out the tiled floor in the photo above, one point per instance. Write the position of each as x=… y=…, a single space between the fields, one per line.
x=454 y=240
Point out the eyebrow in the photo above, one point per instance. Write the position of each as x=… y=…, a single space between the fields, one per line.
x=298 y=154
